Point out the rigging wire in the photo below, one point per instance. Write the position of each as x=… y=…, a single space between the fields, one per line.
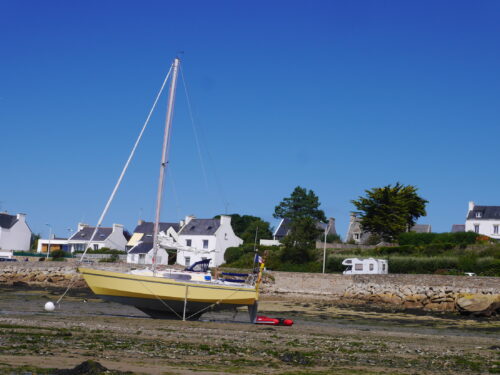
x=118 y=183
x=197 y=141
x=198 y=146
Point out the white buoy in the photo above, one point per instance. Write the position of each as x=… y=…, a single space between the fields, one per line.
x=49 y=306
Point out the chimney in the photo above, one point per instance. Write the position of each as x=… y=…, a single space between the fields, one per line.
x=140 y=222
x=81 y=226
x=118 y=228
x=225 y=220
x=331 y=225
x=471 y=206
x=188 y=219
x=21 y=217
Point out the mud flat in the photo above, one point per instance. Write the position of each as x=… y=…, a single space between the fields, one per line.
x=328 y=337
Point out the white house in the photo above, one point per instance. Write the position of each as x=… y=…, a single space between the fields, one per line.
x=111 y=237
x=483 y=220
x=15 y=233
x=355 y=266
x=140 y=244
x=205 y=239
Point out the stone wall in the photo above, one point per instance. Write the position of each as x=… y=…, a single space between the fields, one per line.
x=432 y=292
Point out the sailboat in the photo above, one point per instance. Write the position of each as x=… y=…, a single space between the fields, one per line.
x=172 y=293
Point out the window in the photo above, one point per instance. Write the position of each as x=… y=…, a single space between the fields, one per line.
x=225 y=236
x=371 y=267
x=187 y=261
x=79 y=247
x=358 y=266
x=205 y=244
x=478 y=215
x=356 y=236
x=476 y=228
x=188 y=242
x=383 y=266
x=96 y=246
x=142 y=258
x=495 y=229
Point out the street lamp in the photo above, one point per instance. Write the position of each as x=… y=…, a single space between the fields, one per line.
x=327 y=228
x=50 y=236
x=69 y=236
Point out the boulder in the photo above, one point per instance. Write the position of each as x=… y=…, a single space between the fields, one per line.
x=478 y=304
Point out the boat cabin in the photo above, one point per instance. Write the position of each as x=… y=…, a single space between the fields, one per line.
x=356 y=266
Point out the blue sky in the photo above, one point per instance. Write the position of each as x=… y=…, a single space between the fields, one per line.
x=333 y=96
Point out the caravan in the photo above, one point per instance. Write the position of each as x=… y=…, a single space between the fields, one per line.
x=368 y=266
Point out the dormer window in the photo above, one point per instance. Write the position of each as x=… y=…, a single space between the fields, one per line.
x=479 y=215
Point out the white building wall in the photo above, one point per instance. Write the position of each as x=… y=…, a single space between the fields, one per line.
x=116 y=239
x=486 y=227
x=18 y=237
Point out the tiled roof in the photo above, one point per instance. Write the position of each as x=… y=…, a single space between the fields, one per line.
x=486 y=212
x=7 y=221
x=458 y=228
x=141 y=248
x=147 y=227
x=421 y=228
x=204 y=227
x=86 y=233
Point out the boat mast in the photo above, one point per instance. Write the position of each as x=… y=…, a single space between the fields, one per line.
x=164 y=156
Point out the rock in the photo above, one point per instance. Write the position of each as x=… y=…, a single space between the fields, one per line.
x=478 y=304
x=413 y=305
x=415 y=298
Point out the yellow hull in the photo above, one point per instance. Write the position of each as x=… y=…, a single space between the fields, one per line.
x=157 y=293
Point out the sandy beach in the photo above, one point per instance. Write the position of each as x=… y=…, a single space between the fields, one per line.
x=328 y=337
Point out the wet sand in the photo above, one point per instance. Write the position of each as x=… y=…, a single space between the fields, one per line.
x=328 y=337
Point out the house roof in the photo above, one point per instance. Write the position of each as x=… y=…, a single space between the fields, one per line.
x=458 y=228
x=86 y=233
x=284 y=227
x=141 y=248
x=147 y=227
x=7 y=221
x=487 y=212
x=421 y=228
x=204 y=227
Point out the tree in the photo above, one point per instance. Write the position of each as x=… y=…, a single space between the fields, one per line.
x=390 y=210
x=302 y=208
x=301 y=241
x=300 y=204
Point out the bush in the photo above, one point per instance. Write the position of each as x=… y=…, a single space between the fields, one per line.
x=104 y=250
x=57 y=255
x=113 y=258
x=419 y=239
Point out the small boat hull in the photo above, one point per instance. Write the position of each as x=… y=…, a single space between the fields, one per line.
x=163 y=297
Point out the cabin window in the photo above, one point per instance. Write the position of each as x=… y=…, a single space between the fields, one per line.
x=371 y=267
x=495 y=229
x=358 y=267
x=476 y=228
x=188 y=242
x=187 y=261
x=96 y=247
x=205 y=244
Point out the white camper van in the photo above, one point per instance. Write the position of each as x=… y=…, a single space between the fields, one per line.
x=368 y=266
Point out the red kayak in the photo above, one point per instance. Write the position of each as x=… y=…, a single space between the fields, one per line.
x=261 y=319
